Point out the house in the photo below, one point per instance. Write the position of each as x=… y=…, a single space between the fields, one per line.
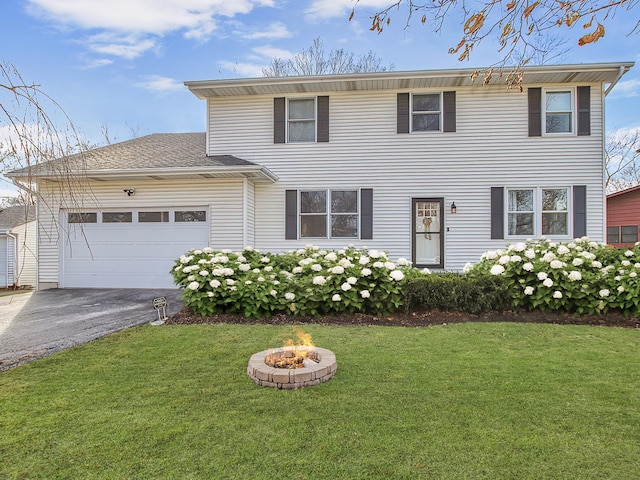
x=427 y=165
x=623 y=217
x=18 y=246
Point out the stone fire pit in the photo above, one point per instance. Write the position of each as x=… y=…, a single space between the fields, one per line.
x=320 y=366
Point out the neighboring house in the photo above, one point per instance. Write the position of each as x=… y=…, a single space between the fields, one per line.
x=18 y=246
x=623 y=217
x=427 y=165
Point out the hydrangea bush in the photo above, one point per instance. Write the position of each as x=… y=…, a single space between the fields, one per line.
x=582 y=277
x=308 y=281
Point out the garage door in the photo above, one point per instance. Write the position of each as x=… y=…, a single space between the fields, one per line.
x=131 y=248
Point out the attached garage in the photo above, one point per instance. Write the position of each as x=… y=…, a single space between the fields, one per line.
x=129 y=248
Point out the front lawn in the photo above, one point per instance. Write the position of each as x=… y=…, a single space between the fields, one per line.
x=475 y=400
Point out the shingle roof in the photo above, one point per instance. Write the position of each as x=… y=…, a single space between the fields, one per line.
x=13 y=216
x=156 y=151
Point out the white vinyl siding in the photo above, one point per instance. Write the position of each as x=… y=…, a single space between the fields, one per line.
x=490 y=147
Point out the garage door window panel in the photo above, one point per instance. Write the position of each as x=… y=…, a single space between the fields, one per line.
x=117 y=217
x=190 y=216
x=85 y=217
x=153 y=217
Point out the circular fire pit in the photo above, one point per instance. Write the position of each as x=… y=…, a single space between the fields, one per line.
x=319 y=367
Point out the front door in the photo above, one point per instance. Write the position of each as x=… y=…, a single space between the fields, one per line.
x=428 y=232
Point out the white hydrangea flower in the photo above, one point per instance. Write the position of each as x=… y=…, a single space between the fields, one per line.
x=620 y=289
x=191 y=278
x=596 y=264
x=268 y=268
x=197 y=252
x=273 y=293
x=241 y=259
x=530 y=254
x=548 y=282
x=519 y=247
x=504 y=259
x=178 y=268
x=186 y=259
x=203 y=273
x=528 y=290
x=516 y=258
x=296 y=270
x=352 y=280
x=256 y=270
x=637 y=265
x=497 y=270
x=378 y=264
x=542 y=276
x=345 y=286
x=593 y=244
x=331 y=257
x=374 y=254
x=337 y=270
x=549 y=256
x=202 y=261
x=227 y=272
x=365 y=272
x=528 y=267
x=230 y=281
x=289 y=296
x=319 y=280
x=426 y=271
x=345 y=263
x=363 y=260
x=207 y=250
x=490 y=255
x=556 y=264
x=248 y=248
x=389 y=265
x=562 y=250
x=261 y=279
x=575 y=275
x=316 y=267
x=576 y=262
x=397 y=275
x=604 y=293
x=336 y=298
x=248 y=282
x=223 y=259
x=365 y=294
x=215 y=283
x=467 y=267
x=403 y=262
x=557 y=294
x=626 y=263
x=217 y=272
x=633 y=274
x=193 y=286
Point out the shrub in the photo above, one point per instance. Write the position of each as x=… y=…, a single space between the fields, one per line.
x=307 y=281
x=581 y=277
x=455 y=292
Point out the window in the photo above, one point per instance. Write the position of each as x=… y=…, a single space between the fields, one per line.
x=332 y=212
x=538 y=211
x=301 y=120
x=558 y=116
x=426 y=112
x=626 y=234
x=153 y=217
x=116 y=217
x=190 y=216
x=83 y=217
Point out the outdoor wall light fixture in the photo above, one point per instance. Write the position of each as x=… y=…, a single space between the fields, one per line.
x=454 y=209
x=130 y=191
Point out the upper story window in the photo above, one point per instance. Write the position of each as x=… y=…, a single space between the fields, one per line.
x=301 y=120
x=426 y=112
x=559 y=108
x=532 y=212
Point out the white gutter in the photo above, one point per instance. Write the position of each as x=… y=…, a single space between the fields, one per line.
x=621 y=72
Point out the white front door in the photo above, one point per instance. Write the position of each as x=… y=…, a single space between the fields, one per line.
x=428 y=232
x=129 y=248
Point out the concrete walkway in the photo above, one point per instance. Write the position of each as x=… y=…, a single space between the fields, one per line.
x=37 y=324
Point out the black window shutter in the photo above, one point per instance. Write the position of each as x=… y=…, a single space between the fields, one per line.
x=535 y=112
x=403 y=113
x=279 y=120
x=323 y=119
x=584 y=110
x=366 y=213
x=579 y=211
x=291 y=215
x=497 y=212
x=449 y=111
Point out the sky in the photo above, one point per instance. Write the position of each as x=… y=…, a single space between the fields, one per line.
x=121 y=64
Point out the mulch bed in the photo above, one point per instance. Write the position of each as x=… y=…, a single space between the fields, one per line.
x=413 y=319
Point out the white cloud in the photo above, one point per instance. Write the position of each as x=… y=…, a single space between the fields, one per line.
x=97 y=63
x=267 y=52
x=133 y=25
x=341 y=8
x=160 y=84
x=259 y=59
x=275 y=30
x=627 y=88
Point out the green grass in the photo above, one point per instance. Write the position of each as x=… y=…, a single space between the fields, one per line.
x=465 y=401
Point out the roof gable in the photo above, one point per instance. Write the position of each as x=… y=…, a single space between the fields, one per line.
x=11 y=217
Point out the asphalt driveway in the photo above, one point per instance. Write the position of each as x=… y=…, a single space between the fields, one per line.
x=36 y=324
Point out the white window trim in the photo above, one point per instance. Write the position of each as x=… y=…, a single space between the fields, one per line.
x=537 y=212
x=440 y=112
x=574 y=109
x=315 y=118
x=328 y=213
